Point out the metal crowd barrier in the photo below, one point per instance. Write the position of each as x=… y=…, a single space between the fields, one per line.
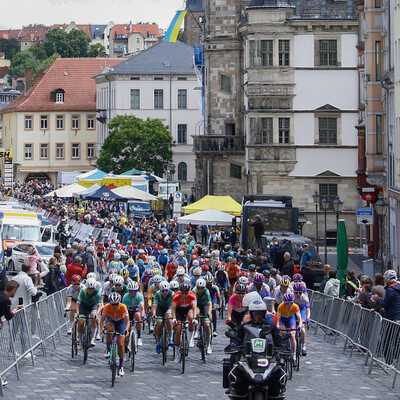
x=33 y=327
x=376 y=337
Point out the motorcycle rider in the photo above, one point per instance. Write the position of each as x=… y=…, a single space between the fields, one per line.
x=240 y=386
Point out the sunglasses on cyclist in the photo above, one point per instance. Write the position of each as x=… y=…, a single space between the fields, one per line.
x=133 y=291
x=76 y=284
x=297 y=292
x=289 y=303
x=258 y=313
x=118 y=284
x=165 y=291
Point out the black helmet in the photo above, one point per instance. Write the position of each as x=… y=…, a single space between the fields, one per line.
x=184 y=288
x=241 y=288
x=266 y=273
x=274 y=271
x=252 y=267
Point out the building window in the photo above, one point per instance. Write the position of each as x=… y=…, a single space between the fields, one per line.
x=90 y=122
x=59 y=97
x=377 y=3
x=267 y=131
x=90 y=150
x=60 y=122
x=379 y=135
x=266 y=53
x=230 y=129
x=44 y=122
x=158 y=78
x=75 y=122
x=328 y=190
x=328 y=53
x=284 y=48
x=137 y=40
x=182 y=133
x=378 y=60
x=28 y=151
x=182 y=98
x=236 y=171
x=182 y=171
x=44 y=151
x=225 y=83
x=182 y=78
x=76 y=147
x=158 y=98
x=284 y=130
x=135 y=99
x=327 y=129
x=60 y=150
x=28 y=122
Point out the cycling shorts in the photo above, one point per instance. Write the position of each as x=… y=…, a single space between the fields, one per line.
x=161 y=311
x=232 y=281
x=133 y=312
x=181 y=313
x=203 y=309
x=288 y=322
x=87 y=309
x=119 y=326
x=237 y=317
x=303 y=312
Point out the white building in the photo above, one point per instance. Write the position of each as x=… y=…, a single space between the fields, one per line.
x=156 y=83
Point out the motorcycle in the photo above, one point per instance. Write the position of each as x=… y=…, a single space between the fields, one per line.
x=63 y=238
x=257 y=368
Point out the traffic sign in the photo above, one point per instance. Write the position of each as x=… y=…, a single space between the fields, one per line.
x=369 y=196
x=365 y=216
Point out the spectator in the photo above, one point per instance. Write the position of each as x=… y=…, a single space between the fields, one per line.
x=379 y=286
x=26 y=289
x=365 y=300
x=88 y=259
x=204 y=234
x=69 y=256
x=3 y=278
x=53 y=281
x=259 y=229
x=352 y=285
x=332 y=286
x=288 y=266
x=308 y=275
x=33 y=259
x=276 y=254
x=75 y=268
x=326 y=268
x=305 y=255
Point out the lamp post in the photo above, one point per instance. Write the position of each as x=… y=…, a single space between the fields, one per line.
x=170 y=172
x=325 y=205
x=337 y=206
x=381 y=208
x=315 y=197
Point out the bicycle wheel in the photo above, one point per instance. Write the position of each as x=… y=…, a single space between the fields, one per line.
x=113 y=363
x=133 y=348
x=289 y=367
x=164 y=344
x=86 y=342
x=183 y=354
x=74 y=340
x=297 y=351
x=201 y=342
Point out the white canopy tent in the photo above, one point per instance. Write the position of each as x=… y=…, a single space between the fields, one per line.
x=67 y=191
x=129 y=192
x=207 y=217
x=90 y=190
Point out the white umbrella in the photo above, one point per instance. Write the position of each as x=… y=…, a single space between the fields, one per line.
x=129 y=192
x=67 y=191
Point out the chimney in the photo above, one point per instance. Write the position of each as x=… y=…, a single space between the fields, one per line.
x=130 y=26
x=28 y=78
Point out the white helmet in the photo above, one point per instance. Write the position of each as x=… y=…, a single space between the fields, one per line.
x=390 y=274
x=141 y=251
x=112 y=277
x=180 y=271
x=244 y=280
x=195 y=263
x=91 y=275
x=200 y=283
x=133 y=285
x=91 y=283
x=157 y=279
x=117 y=256
x=257 y=305
x=174 y=285
x=164 y=285
x=118 y=280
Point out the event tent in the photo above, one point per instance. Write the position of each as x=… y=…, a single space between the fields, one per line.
x=222 y=203
x=207 y=217
x=93 y=175
x=92 y=189
x=129 y=192
x=105 y=194
x=67 y=191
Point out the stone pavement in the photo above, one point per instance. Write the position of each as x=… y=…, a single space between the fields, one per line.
x=327 y=373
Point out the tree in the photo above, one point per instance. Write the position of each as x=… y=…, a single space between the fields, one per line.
x=10 y=47
x=96 y=50
x=134 y=143
x=78 y=43
x=45 y=65
x=56 y=42
x=22 y=60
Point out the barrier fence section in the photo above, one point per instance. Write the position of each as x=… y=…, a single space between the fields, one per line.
x=33 y=327
x=376 y=337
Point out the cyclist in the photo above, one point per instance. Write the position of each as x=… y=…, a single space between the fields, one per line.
x=259 y=285
x=133 y=270
x=89 y=300
x=204 y=306
x=298 y=278
x=181 y=277
x=117 y=263
x=134 y=300
x=215 y=299
x=119 y=286
x=72 y=297
x=281 y=290
x=116 y=316
x=155 y=285
x=236 y=310
x=289 y=317
x=252 y=271
x=163 y=258
x=161 y=308
x=233 y=271
x=221 y=280
x=195 y=264
x=301 y=299
x=182 y=261
x=196 y=275
x=174 y=286
x=184 y=305
x=269 y=281
x=107 y=287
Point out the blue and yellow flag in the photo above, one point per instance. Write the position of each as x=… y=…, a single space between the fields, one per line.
x=175 y=26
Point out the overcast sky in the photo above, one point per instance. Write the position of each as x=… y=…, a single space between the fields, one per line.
x=48 y=12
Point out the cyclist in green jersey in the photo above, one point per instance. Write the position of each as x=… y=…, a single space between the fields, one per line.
x=160 y=309
x=89 y=300
x=119 y=286
x=204 y=304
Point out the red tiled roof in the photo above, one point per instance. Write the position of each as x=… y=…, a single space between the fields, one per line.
x=83 y=28
x=144 y=29
x=74 y=76
x=9 y=33
x=3 y=71
x=34 y=33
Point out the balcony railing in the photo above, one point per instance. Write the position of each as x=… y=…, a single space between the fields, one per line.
x=218 y=144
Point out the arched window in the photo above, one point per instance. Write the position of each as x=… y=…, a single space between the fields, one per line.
x=182 y=171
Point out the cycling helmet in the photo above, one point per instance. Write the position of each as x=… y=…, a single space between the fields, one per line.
x=220 y=268
x=140 y=262
x=180 y=271
x=157 y=279
x=259 y=278
x=184 y=288
x=285 y=281
x=125 y=256
x=116 y=241
x=112 y=271
x=112 y=277
x=133 y=285
x=130 y=261
x=274 y=271
x=118 y=280
x=297 y=277
x=288 y=297
x=197 y=271
x=227 y=247
x=390 y=274
x=200 y=283
x=91 y=283
x=164 y=285
x=114 y=298
x=117 y=256
x=181 y=253
x=124 y=273
x=209 y=279
x=241 y=288
x=76 y=279
x=91 y=275
x=257 y=305
x=141 y=251
x=266 y=273
x=298 y=287
x=195 y=263
x=243 y=280
x=156 y=271
x=174 y=285
x=252 y=267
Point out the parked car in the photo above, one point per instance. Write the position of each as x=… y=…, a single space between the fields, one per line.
x=18 y=254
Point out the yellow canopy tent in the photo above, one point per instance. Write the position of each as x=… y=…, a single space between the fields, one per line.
x=222 y=203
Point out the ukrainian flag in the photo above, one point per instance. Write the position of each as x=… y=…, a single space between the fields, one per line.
x=175 y=26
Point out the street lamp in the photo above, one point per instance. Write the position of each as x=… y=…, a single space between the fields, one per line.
x=325 y=206
x=337 y=206
x=170 y=172
x=381 y=208
x=315 y=198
